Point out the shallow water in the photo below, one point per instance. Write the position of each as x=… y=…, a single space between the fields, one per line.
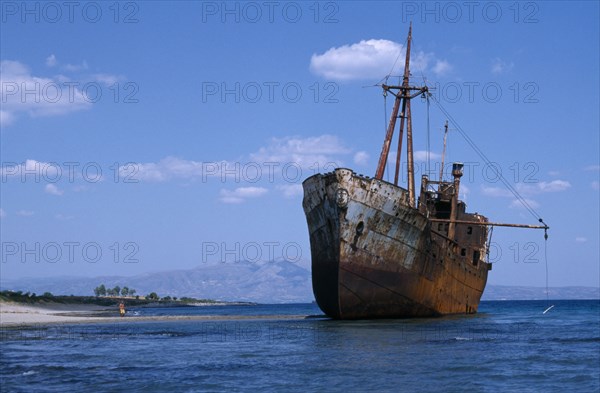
x=507 y=346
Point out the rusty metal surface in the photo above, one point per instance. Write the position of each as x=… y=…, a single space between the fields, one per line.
x=374 y=256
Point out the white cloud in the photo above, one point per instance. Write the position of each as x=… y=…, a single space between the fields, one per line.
x=500 y=66
x=421 y=155
x=25 y=213
x=315 y=153
x=291 y=190
x=553 y=186
x=592 y=168
x=496 y=192
x=595 y=185
x=144 y=171
x=2 y=213
x=581 y=239
x=75 y=67
x=51 y=61
x=529 y=188
x=361 y=158
x=368 y=59
x=107 y=79
x=519 y=205
x=391 y=157
x=240 y=194
x=6 y=118
x=464 y=190
x=292 y=158
x=31 y=169
x=418 y=155
x=176 y=168
x=441 y=68
x=63 y=217
x=53 y=190
x=50 y=172
x=50 y=96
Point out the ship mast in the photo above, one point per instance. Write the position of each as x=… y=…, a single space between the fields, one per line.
x=405 y=105
x=403 y=97
x=409 y=156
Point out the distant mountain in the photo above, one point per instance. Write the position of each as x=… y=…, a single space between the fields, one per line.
x=270 y=282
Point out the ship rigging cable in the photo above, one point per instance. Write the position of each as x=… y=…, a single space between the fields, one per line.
x=488 y=162
x=507 y=185
x=546 y=261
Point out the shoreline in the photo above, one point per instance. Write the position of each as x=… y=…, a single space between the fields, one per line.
x=15 y=315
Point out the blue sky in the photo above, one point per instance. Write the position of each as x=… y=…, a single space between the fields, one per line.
x=148 y=136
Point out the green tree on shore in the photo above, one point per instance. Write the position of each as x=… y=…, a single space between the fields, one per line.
x=152 y=296
x=100 y=291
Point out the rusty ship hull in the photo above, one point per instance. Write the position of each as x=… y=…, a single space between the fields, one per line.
x=376 y=256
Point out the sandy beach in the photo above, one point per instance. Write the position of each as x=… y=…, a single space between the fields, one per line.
x=13 y=315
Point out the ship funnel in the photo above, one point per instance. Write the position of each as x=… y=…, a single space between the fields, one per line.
x=457 y=169
x=457 y=172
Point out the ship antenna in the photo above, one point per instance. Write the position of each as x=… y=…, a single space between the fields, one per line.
x=444 y=152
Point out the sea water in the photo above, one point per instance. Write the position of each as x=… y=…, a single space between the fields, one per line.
x=509 y=346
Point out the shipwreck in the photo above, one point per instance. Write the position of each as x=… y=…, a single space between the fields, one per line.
x=383 y=251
